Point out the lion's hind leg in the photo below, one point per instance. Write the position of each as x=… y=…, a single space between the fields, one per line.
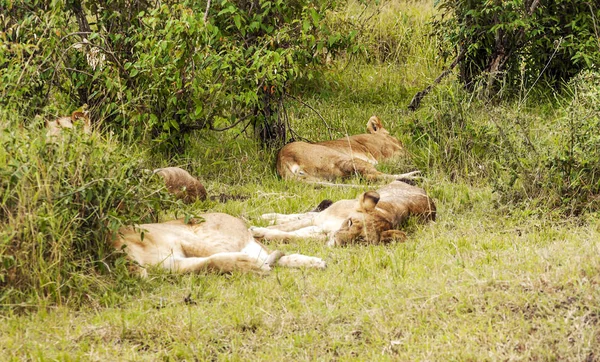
x=220 y=262
x=301 y=261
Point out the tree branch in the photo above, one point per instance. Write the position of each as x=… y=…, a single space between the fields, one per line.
x=207 y=9
x=415 y=103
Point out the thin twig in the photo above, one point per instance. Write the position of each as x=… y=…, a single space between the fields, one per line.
x=79 y=71
x=415 y=103
x=595 y=25
x=231 y=125
x=207 y=9
x=542 y=72
x=325 y=183
x=314 y=110
x=294 y=135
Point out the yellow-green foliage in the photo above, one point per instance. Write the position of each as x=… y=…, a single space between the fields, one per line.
x=60 y=202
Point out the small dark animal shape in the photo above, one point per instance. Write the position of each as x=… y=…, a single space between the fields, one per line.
x=214 y=242
x=372 y=218
x=323 y=205
x=180 y=183
x=345 y=157
x=55 y=128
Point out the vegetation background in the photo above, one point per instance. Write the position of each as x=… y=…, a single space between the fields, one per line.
x=508 y=143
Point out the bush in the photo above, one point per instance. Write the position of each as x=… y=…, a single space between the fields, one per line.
x=168 y=67
x=60 y=204
x=507 y=45
x=543 y=156
x=566 y=175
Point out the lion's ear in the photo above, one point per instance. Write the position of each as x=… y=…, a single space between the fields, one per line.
x=368 y=201
x=374 y=124
x=389 y=236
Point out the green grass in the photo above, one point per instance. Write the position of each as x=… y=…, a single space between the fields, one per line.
x=489 y=280
x=474 y=285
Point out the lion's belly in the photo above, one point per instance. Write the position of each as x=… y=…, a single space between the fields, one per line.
x=211 y=234
x=221 y=233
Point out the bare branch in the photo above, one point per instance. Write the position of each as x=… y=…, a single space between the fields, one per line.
x=533 y=6
x=207 y=9
x=242 y=119
x=415 y=103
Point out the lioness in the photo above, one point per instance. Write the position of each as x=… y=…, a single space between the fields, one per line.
x=372 y=147
x=54 y=128
x=216 y=242
x=341 y=158
x=372 y=218
x=182 y=184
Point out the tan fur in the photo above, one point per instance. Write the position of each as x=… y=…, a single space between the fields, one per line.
x=182 y=184
x=55 y=128
x=345 y=157
x=373 y=217
x=214 y=242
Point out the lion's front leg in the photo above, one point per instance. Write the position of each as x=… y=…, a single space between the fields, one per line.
x=270 y=233
x=278 y=219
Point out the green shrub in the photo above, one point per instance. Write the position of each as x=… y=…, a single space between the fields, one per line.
x=542 y=155
x=549 y=159
x=564 y=172
x=511 y=45
x=60 y=204
x=165 y=68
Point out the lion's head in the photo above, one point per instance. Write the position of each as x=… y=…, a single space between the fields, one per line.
x=78 y=119
x=367 y=224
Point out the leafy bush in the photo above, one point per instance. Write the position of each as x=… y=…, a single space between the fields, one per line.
x=169 y=67
x=542 y=156
x=518 y=41
x=562 y=171
x=60 y=204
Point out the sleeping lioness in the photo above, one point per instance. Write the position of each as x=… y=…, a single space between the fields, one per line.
x=55 y=128
x=374 y=217
x=214 y=242
x=345 y=157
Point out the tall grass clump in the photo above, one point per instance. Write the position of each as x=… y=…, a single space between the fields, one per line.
x=559 y=163
x=393 y=37
x=60 y=202
x=454 y=137
x=539 y=153
x=389 y=31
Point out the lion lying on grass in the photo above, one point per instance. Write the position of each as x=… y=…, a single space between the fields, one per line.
x=342 y=158
x=215 y=242
x=372 y=218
